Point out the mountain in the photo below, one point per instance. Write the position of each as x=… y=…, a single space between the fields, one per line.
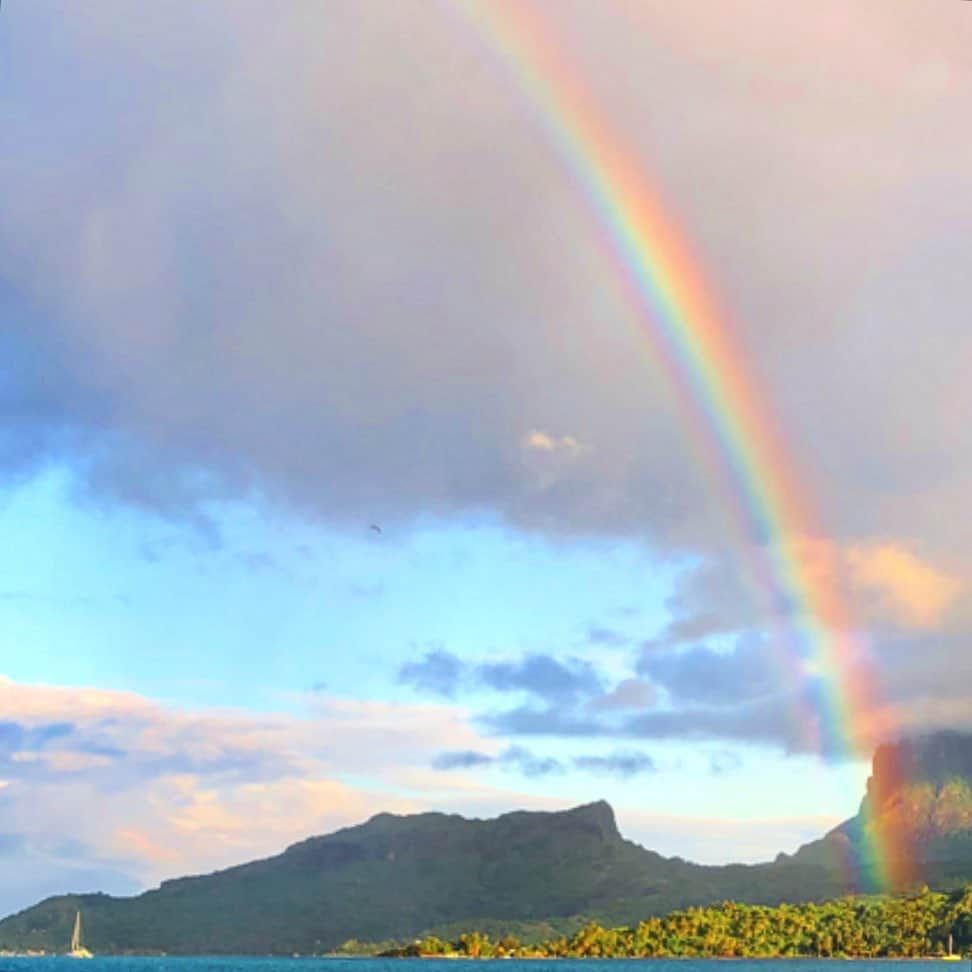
x=394 y=877
x=915 y=821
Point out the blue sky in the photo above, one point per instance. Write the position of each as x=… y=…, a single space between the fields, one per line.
x=277 y=607
x=264 y=284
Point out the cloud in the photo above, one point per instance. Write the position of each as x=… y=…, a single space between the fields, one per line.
x=393 y=284
x=448 y=340
x=550 y=460
x=711 y=597
x=887 y=606
x=543 y=443
x=148 y=791
x=704 y=675
x=783 y=720
x=907 y=591
x=462 y=759
x=529 y=764
x=517 y=758
x=628 y=694
x=438 y=672
x=769 y=721
x=555 y=720
x=15 y=737
x=543 y=676
x=623 y=765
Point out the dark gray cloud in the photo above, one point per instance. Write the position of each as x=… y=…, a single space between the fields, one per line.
x=426 y=275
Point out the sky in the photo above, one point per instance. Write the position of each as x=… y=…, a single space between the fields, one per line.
x=337 y=477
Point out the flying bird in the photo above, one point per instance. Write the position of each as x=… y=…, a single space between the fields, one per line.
x=375 y=527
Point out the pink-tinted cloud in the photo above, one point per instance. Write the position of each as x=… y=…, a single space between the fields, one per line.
x=174 y=790
x=906 y=590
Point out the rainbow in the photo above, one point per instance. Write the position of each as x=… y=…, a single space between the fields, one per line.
x=738 y=444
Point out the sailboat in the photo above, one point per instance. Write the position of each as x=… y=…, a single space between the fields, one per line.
x=77 y=949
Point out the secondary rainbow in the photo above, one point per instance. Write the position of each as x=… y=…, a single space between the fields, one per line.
x=737 y=442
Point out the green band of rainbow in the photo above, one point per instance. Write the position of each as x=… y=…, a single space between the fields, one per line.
x=738 y=444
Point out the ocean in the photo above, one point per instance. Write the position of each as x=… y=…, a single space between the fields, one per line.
x=229 y=964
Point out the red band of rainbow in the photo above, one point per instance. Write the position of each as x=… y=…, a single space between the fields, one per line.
x=738 y=444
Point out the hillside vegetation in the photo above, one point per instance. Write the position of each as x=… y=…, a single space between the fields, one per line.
x=401 y=876
x=533 y=875
x=903 y=927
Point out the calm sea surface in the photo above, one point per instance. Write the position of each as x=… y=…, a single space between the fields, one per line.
x=504 y=965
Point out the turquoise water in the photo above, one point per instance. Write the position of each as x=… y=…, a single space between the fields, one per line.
x=411 y=965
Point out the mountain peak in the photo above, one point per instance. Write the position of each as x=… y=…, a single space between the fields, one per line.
x=596 y=817
x=599 y=814
x=918 y=808
x=936 y=759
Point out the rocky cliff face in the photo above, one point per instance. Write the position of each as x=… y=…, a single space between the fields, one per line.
x=918 y=809
x=923 y=786
x=915 y=822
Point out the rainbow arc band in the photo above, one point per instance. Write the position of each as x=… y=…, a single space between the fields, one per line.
x=738 y=444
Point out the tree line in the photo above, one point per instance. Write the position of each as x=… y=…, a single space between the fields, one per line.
x=919 y=925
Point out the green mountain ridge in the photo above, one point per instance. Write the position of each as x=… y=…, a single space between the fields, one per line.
x=396 y=877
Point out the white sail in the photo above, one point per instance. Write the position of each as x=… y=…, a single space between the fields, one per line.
x=77 y=949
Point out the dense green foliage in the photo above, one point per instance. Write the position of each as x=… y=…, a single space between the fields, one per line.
x=861 y=927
